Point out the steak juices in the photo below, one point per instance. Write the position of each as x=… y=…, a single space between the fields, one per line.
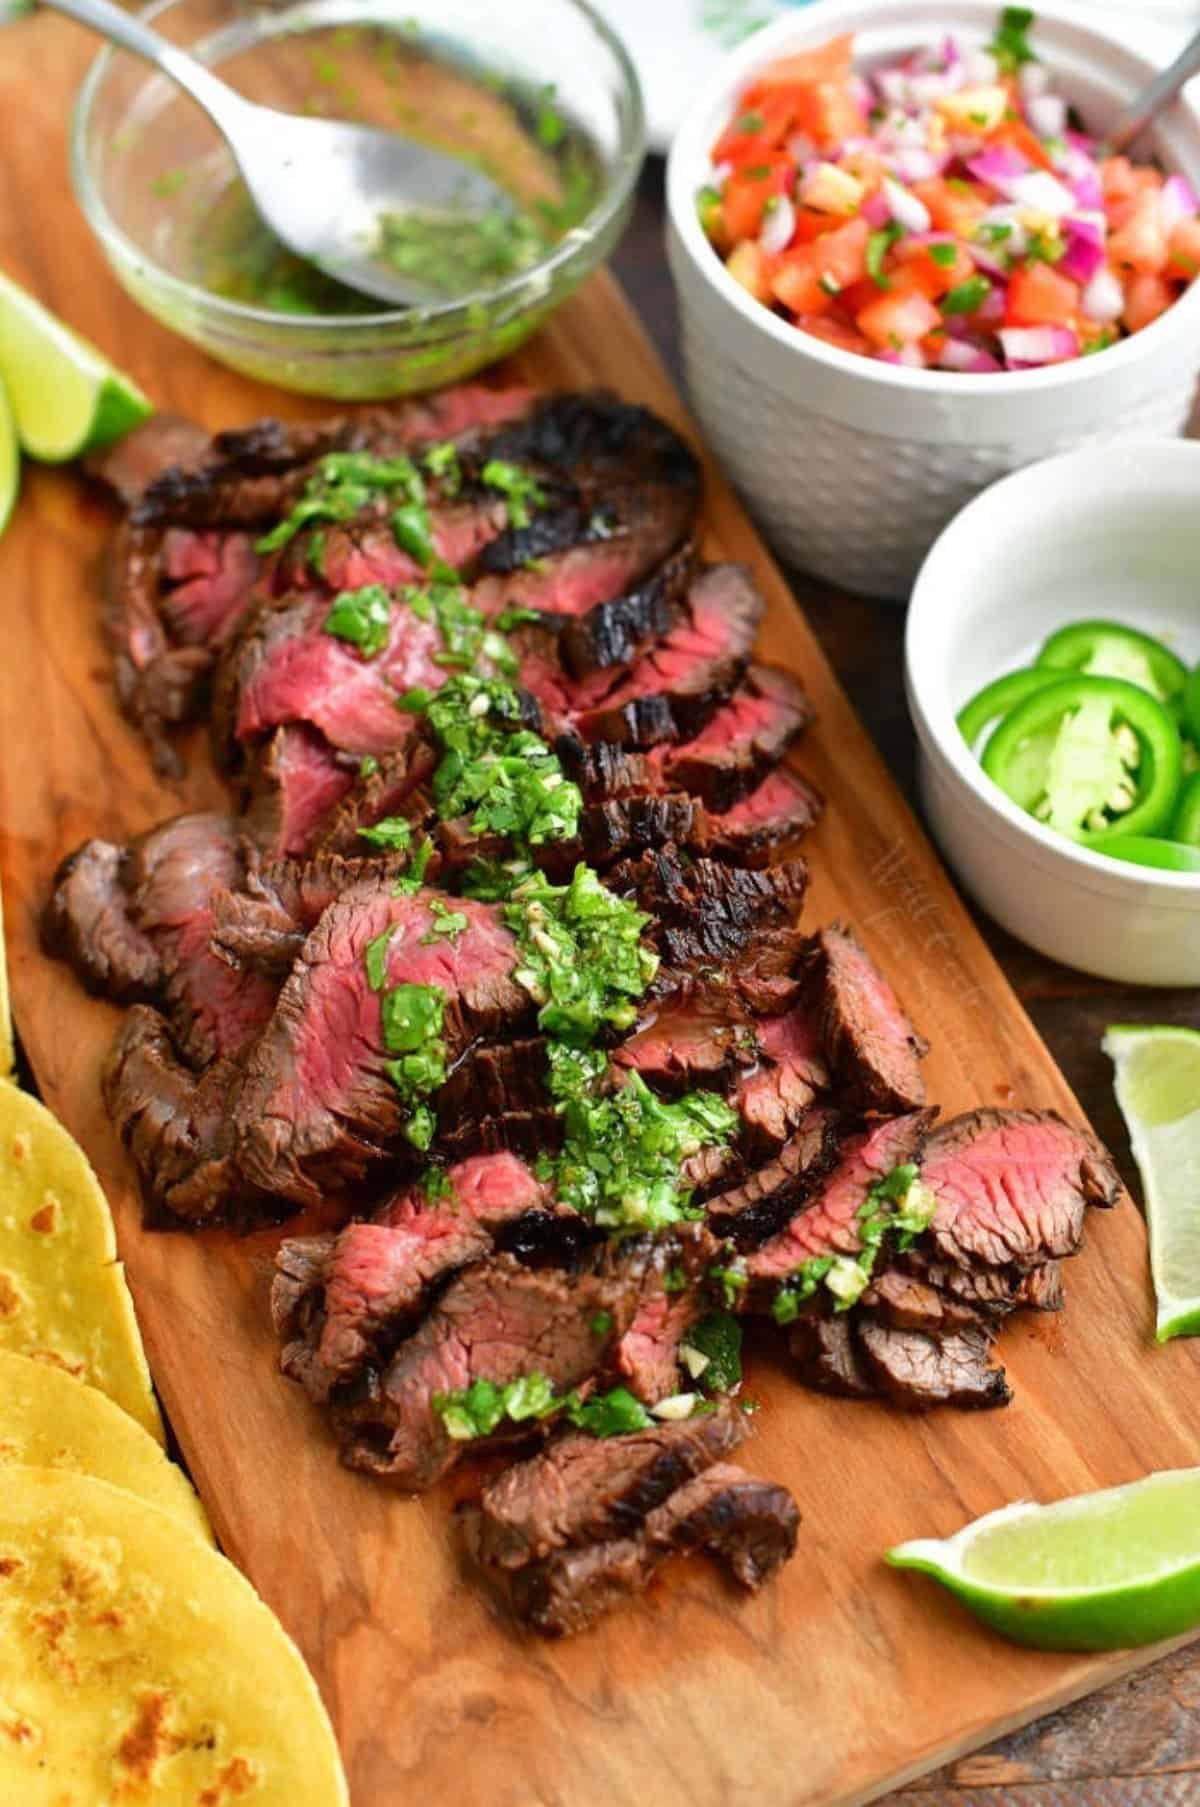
x=498 y=946
x=949 y=212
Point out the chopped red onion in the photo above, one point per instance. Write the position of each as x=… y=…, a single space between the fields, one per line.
x=991 y=309
x=915 y=165
x=893 y=86
x=961 y=354
x=1029 y=347
x=1176 y=202
x=779 y=223
x=905 y=208
x=1043 y=192
x=1103 y=299
x=910 y=356
x=1085 y=249
x=999 y=166
x=875 y=210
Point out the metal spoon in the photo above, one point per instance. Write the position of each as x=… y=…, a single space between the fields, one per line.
x=1132 y=120
x=319 y=185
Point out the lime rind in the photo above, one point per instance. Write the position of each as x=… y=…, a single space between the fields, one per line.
x=1157 y=1082
x=1127 y=1610
x=66 y=397
x=10 y=459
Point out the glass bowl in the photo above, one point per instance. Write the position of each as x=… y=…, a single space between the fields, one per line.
x=544 y=80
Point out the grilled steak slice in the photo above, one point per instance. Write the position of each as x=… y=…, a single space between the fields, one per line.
x=264 y=924
x=703 y=1040
x=87 y=922
x=675 y=686
x=211 y=577
x=293 y=783
x=498 y=1322
x=869 y=1043
x=316 y=1109
x=669 y=1272
x=174 y=1122
x=583 y=1489
x=706 y=913
x=342 y=1301
x=742 y=742
x=493 y=1081
x=827 y=1355
x=613 y=633
x=994 y=1290
x=129 y=466
x=829 y=1223
x=748 y=1524
x=916 y=1371
x=783 y=808
x=903 y=1302
x=396 y=784
x=772 y=1099
x=756 y=1209
x=1012 y=1187
x=138 y=921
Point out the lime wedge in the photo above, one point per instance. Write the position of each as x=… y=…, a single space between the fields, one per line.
x=10 y=465
x=1158 y=1090
x=67 y=398
x=1101 y=1571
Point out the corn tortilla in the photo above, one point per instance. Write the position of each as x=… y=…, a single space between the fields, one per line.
x=138 y=1665
x=63 y=1296
x=49 y=1420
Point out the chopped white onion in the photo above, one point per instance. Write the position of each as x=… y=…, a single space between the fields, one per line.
x=801 y=148
x=1103 y=300
x=1033 y=79
x=1038 y=189
x=905 y=208
x=980 y=69
x=779 y=223
x=721 y=174
x=678 y=1406
x=694 y=1360
x=1016 y=243
x=1047 y=114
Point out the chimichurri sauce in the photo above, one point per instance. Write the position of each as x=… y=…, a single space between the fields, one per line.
x=547 y=168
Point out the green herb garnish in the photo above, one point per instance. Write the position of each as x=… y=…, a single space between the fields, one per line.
x=447 y=925
x=1011 y=46
x=878 y=245
x=967 y=296
x=392 y=831
x=505 y=779
x=362 y=617
x=943 y=254
x=519 y=489
x=717 y=1340
x=342 y=484
x=412 y=1017
x=611 y=1414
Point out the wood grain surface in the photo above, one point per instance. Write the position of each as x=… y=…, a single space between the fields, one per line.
x=843 y=1679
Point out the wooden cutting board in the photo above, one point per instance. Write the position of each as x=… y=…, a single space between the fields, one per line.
x=844 y=1678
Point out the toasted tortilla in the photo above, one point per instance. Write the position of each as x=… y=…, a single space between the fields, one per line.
x=138 y=1665
x=49 y=1420
x=63 y=1296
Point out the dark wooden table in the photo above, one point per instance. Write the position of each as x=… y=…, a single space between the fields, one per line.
x=1138 y=1743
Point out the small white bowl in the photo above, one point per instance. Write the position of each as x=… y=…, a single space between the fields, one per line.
x=852 y=465
x=1107 y=532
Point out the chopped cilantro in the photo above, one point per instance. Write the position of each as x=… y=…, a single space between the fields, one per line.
x=447 y=924
x=436 y=1183
x=361 y=616
x=611 y=1414
x=943 y=254
x=410 y=529
x=375 y=958
x=896 y=1204
x=717 y=1339
x=749 y=123
x=477 y=1410
x=878 y=245
x=968 y=296
x=367 y=765
x=412 y=1017
x=441 y=461
x=392 y=831
x=732 y=1280
x=1010 y=46
x=414 y=877
x=505 y=779
x=519 y=489
x=550 y=127
x=676 y=1279
x=602 y=1323
x=343 y=484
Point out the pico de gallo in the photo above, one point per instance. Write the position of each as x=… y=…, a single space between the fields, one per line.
x=948 y=212
x=1099 y=739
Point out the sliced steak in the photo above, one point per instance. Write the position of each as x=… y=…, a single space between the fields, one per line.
x=613 y=633
x=742 y=742
x=829 y=1223
x=494 y=1081
x=790 y=1074
x=498 y=1322
x=903 y=1302
x=871 y=1046
x=675 y=686
x=1012 y=1187
x=130 y=465
x=582 y=1489
x=669 y=1272
x=755 y=1210
x=317 y=1109
x=208 y=583
x=294 y=782
x=782 y=809
x=703 y=1040
x=707 y=913
x=138 y=922
x=915 y=1370
x=396 y=784
x=825 y=1349
x=264 y=923
x=749 y=1525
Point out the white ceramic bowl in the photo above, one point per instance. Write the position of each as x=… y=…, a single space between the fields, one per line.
x=1109 y=532
x=854 y=466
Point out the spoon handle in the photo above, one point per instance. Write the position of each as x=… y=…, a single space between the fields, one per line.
x=218 y=100
x=1149 y=102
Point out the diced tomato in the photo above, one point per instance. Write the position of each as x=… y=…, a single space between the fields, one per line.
x=1185 y=249
x=1141 y=243
x=896 y=320
x=1146 y=297
x=1147 y=179
x=797 y=282
x=829 y=112
x=952 y=208
x=842 y=254
x=756 y=131
x=1117 y=180
x=835 y=331
x=916 y=262
x=866 y=164
x=1016 y=133
x=747 y=192
x=748 y=264
x=824 y=62
x=858 y=295
x=1039 y=296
